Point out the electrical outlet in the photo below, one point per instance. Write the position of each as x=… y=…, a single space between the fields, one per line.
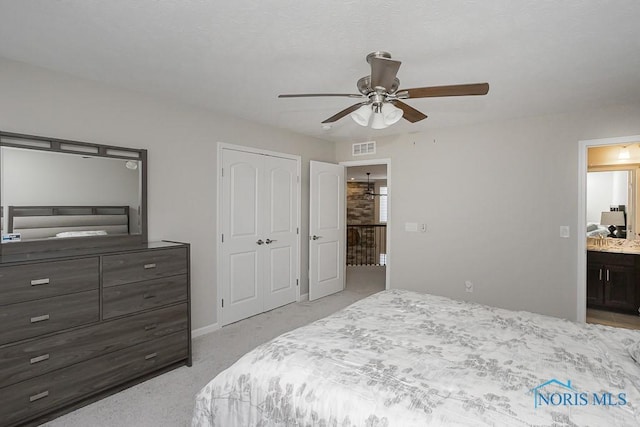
x=468 y=286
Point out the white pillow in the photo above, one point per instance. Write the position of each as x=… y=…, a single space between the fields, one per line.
x=82 y=233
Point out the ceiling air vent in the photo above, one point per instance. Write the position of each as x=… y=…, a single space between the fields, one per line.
x=363 y=148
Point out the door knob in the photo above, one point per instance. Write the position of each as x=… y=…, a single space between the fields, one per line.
x=314 y=237
x=259 y=242
x=270 y=241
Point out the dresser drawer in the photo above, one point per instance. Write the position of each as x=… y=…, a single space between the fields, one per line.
x=26 y=360
x=47 y=279
x=33 y=397
x=138 y=266
x=130 y=298
x=33 y=318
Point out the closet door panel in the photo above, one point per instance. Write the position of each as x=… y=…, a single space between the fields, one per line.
x=242 y=207
x=281 y=228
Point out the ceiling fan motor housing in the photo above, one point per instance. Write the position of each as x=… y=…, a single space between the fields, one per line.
x=364 y=86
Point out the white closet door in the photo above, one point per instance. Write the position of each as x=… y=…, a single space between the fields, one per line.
x=243 y=204
x=259 y=224
x=327 y=233
x=280 y=231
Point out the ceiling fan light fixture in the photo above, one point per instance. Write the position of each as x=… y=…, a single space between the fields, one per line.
x=391 y=113
x=378 y=121
x=362 y=115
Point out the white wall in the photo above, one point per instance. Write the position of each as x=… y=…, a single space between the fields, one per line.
x=182 y=155
x=493 y=197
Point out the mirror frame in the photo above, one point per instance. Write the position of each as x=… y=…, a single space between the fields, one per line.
x=40 y=143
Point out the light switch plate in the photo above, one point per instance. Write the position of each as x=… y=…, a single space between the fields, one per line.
x=411 y=226
x=564 y=231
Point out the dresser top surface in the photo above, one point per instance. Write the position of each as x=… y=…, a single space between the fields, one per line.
x=73 y=253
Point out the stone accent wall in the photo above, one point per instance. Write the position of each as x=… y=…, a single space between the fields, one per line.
x=359 y=209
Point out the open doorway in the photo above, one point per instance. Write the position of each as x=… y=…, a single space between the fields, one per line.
x=612 y=268
x=367 y=214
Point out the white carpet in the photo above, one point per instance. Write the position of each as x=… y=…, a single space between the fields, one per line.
x=168 y=399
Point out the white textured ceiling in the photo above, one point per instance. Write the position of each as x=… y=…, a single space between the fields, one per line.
x=237 y=56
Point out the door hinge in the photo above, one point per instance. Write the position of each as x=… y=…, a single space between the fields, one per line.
x=298 y=178
x=297 y=230
x=222 y=302
x=222 y=238
x=222 y=173
x=297 y=282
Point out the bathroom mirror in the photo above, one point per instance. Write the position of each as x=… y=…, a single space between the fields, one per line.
x=59 y=194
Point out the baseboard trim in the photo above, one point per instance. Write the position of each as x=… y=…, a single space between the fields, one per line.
x=204 y=330
x=304 y=297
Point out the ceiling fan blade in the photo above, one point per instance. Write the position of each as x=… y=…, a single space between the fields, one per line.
x=410 y=113
x=383 y=72
x=306 y=95
x=343 y=113
x=453 y=90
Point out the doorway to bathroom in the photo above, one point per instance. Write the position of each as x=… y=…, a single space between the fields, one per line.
x=610 y=271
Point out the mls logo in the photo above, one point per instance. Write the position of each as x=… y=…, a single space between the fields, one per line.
x=557 y=393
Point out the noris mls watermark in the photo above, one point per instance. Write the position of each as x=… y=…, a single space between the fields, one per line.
x=557 y=393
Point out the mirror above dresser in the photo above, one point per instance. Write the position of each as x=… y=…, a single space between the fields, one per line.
x=60 y=194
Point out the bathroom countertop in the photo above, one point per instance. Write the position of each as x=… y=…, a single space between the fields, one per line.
x=617 y=250
x=618 y=247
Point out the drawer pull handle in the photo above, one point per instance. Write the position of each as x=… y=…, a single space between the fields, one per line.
x=148 y=296
x=150 y=327
x=36 y=282
x=150 y=356
x=149 y=266
x=38 y=396
x=40 y=318
x=39 y=358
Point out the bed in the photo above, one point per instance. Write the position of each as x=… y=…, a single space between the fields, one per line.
x=45 y=222
x=597 y=230
x=399 y=358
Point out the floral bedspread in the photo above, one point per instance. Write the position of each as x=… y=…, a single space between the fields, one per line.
x=400 y=358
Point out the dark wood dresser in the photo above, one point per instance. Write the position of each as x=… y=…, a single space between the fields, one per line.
x=79 y=325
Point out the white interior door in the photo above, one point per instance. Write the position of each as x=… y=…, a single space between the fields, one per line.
x=280 y=225
x=259 y=233
x=242 y=194
x=326 y=229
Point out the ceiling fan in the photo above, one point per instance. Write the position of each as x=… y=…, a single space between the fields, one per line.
x=379 y=95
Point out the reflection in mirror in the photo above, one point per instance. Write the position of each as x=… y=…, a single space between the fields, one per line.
x=105 y=193
x=607 y=191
